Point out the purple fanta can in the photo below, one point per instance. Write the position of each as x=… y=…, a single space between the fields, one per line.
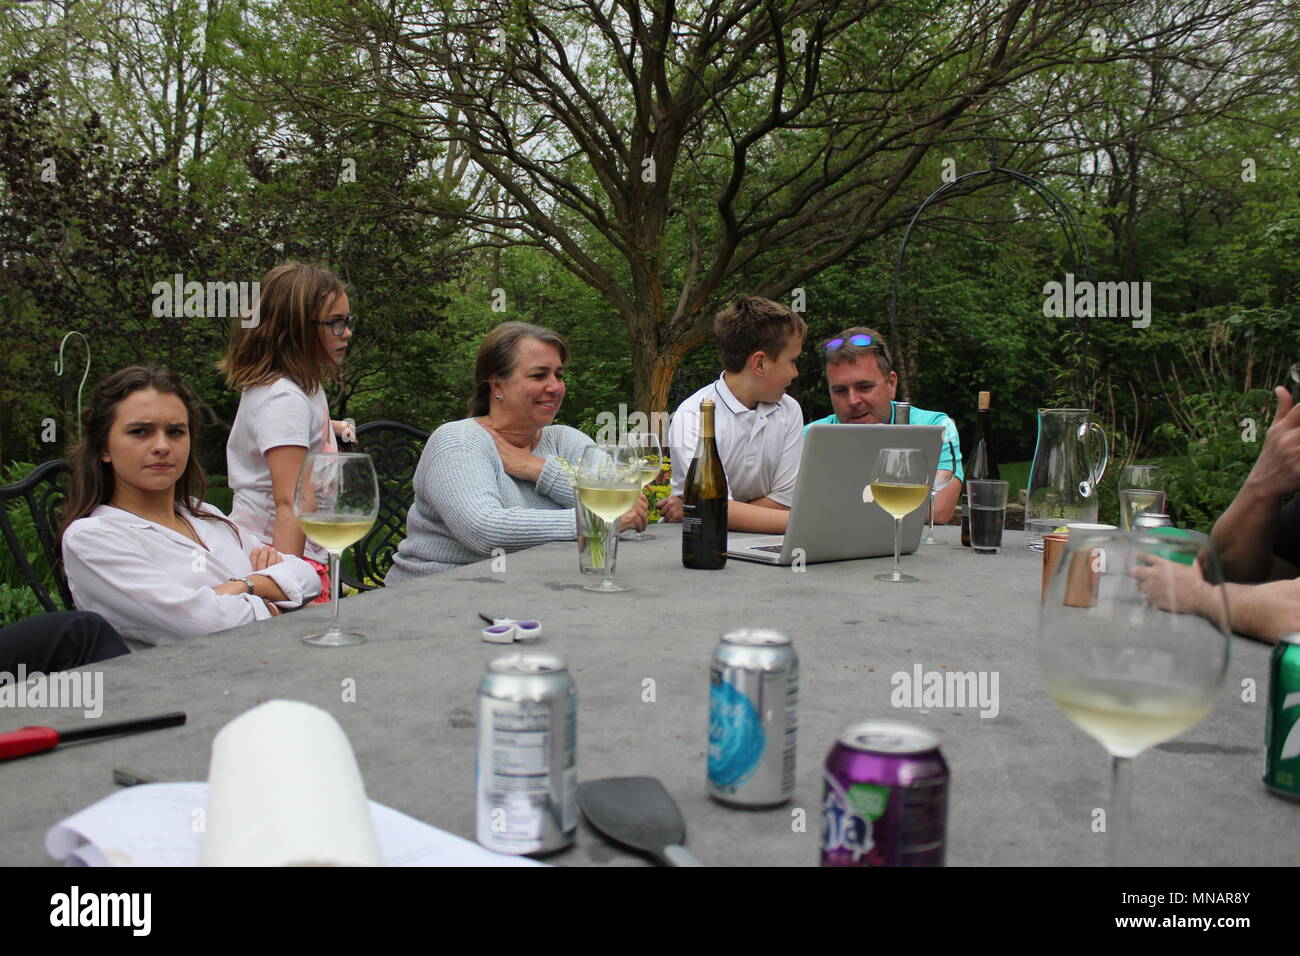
x=886 y=797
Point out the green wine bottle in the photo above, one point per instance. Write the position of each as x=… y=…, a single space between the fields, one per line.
x=704 y=502
x=979 y=463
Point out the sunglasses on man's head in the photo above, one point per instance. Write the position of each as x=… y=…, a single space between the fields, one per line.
x=339 y=324
x=860 y=340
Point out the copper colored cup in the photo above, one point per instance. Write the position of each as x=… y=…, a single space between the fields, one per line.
x=1082 y=580
x=1053 y=548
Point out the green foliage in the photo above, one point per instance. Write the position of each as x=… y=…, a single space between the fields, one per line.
x=17 y=603
x=248 y=168
x=25 y=528
x=1202 y=482
x=17 y=600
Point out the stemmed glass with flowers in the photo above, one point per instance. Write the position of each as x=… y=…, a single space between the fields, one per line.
x=609 y=481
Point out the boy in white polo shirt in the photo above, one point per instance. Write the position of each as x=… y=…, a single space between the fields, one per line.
x=759 y=427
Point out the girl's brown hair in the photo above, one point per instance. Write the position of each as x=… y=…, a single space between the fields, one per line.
x=280 y=338
x=93 y=479
x=498 y=354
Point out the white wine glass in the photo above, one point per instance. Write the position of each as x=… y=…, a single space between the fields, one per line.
x=900 y=483
x=1126 y=671
x=942 y=479
x=651 y=453
x=609 y=481
x=336 y=500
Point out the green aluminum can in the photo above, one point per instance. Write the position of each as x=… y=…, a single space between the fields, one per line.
x=1282 y=724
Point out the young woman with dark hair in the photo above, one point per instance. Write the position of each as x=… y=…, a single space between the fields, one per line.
x=140 y=546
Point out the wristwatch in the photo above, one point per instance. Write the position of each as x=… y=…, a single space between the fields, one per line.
x=246 y=583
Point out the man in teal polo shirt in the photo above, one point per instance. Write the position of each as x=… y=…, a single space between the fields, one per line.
x=863 y=382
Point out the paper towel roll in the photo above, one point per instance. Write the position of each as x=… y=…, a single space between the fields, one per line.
x=284 y=790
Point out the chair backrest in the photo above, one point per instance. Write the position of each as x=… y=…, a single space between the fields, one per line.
x=30 y=511
x=395 y=449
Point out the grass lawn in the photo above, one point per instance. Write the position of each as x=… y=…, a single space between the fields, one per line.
x=1016 y=475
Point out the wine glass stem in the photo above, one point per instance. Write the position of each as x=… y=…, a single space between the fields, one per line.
x=334 y=586
x=611 y=532
x=1117 y=821
x=931 y=532
x=898 y=537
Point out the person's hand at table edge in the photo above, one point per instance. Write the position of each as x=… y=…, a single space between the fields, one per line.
x=636 y=517
x=670 y=509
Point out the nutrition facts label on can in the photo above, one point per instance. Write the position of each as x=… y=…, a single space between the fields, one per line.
x=519 y=770
x=791 y=729
x=521 y=747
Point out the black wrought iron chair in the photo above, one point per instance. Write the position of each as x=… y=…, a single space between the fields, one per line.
x=42 y=493
x=395 y=449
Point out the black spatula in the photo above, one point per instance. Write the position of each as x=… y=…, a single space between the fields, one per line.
x=638 y=813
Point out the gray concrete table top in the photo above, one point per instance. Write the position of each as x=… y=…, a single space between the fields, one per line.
x=1025 y=782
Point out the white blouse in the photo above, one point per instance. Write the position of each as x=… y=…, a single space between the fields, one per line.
x=155 y=586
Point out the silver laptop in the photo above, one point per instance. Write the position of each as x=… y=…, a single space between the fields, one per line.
x=829 y=519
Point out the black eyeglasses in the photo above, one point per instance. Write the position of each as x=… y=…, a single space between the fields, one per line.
x=860 y=340
x=339 y=323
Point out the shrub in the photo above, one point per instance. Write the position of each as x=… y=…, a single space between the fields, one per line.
x=17 y=604
x=1216 y=450
x=16 y=598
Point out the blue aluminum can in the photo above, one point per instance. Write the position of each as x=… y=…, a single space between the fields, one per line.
x=753 y=704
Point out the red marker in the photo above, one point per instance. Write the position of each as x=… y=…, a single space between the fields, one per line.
x=31 y=740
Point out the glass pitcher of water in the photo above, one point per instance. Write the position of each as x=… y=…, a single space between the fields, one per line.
x=1064 y=477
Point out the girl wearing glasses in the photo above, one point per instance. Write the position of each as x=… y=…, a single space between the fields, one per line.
x=279 y=358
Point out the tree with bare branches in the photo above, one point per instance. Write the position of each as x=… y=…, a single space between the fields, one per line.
x=672 y=155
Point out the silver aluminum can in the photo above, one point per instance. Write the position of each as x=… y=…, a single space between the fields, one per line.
x=526 y=777
x=753 y=705
x=1151 y=519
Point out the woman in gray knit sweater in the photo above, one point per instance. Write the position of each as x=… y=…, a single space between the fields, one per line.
x=491 y=480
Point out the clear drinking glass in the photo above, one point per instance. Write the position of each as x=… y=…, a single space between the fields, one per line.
x=988 y=513
x=942 y=479
x=900 y=483
x=1141 y=489
x=651 y=452
x=336 y=499
x=609 y=481
x=1126 y=671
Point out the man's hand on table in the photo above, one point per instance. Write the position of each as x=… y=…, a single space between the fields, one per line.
x=637 y=517
x=670 y=509
x=1171 y=586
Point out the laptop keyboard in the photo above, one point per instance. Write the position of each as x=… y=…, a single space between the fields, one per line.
x=774 y=548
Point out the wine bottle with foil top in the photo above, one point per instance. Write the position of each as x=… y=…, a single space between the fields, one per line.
x=704 y=502
x=979 y=463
